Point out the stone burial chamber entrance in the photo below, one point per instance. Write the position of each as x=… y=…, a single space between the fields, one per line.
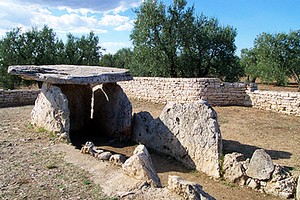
x=83 y=102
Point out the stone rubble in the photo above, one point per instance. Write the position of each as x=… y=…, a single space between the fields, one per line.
x=104 y=156
x=188 y=190
x=141 y=167
x=117 y=159
x=261 y=165
x=234 y=167
x=260 y=174
x=90 y=148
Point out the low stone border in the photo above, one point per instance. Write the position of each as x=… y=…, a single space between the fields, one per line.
x=17 y=97
x=162 y=90
x=212 y=90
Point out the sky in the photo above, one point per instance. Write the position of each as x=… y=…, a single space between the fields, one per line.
x=112 y=20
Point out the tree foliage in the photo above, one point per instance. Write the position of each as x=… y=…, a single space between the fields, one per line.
x=274 y=57
x=173 y=42
x=121 y=59
x=42 y=47
x=107 y=60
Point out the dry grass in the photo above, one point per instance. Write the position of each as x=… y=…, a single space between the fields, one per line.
x=29 y=170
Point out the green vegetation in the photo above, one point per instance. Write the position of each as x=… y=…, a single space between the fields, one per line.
x=173 y=42
x=87 y=182
x=51 y=166
x=42 y=47
x=168 y=41
x=274 y=57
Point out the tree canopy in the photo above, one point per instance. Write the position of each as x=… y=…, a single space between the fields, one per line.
x=173 y=42
x=274 y=57
x=41 y=47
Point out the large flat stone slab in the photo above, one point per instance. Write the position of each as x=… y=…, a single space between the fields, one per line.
x=189 y=132
x=71 y=74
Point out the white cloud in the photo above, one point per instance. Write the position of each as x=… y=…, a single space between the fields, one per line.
x=68 y=16
x=113 y=47
x=92 y=5
x=113 y=20
x=120 y=23
x=13 y=15
x=124 y=27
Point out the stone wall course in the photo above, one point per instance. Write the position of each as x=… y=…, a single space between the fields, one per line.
x=212 y=90
x=163 y=90
x=17 y=97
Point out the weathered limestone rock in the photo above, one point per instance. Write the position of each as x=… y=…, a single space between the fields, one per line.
x=88 y=148
x=104 y=156
x=112 y=112
x=141 y=167
x=261 y=165
x=117 y=159
x=188 y=190
x=71 y=74
x=279 y=173
x=284 y=188
x=282 y=184
x=253 y=183
x=51 y=110
x=234 y=170
x=189 y=132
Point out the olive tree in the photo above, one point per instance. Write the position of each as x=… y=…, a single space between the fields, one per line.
x=274 y=57
x=172 y=41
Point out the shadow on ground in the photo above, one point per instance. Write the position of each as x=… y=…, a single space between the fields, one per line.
x=230 y=146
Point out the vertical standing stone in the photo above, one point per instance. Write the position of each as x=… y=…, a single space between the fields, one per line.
x=189 y=132
x=51 y=110
x=112 y=112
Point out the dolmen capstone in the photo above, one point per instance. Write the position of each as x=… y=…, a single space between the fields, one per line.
x=78 y=99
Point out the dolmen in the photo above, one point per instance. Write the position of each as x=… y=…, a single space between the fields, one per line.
x=79 y=99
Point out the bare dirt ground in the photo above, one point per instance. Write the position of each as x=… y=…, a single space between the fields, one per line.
x=291 y=87
x=29 y=169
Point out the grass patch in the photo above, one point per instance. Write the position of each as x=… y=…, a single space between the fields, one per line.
x=228 y=184
x=52 y=166
x=87 y=182
x=29 y=126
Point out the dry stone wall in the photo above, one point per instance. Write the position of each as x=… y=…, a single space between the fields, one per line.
x=162 y=90
x=282 y=102
x=212 y=90
x=17 y=97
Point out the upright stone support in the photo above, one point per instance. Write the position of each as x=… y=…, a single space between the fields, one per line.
x=189 y=132
x=51 y=110
x=112 y=112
